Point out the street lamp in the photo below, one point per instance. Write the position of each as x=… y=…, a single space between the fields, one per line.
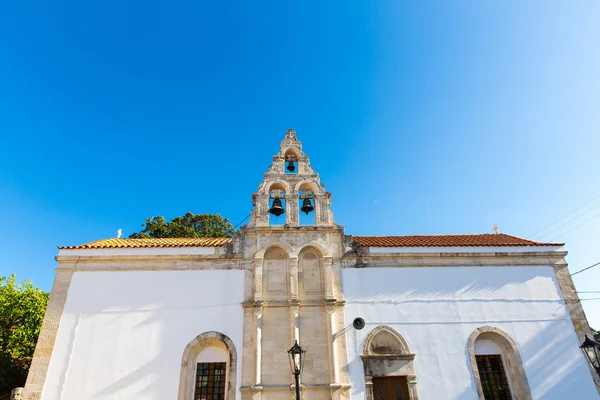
x=296 y=355
x=592 y=351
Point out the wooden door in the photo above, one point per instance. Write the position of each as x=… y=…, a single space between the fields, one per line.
x=390 y=388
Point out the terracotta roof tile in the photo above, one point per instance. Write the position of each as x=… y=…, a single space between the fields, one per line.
x=500 y=239
x=141 y=243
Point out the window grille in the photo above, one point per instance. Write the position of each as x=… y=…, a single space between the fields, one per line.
x=210 y=381
x=493 y=377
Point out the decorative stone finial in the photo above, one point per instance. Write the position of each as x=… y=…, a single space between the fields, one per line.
x=290 y=133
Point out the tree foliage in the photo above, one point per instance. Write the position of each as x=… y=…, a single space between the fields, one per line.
x=188 y=226
x=22 y=309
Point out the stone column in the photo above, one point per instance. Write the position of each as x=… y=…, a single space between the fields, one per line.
x=262 y=209
x=291 y=202
x=368 y=387
x=294 y=278
x=294 y=321
x=258 y=279
x=327 y=264
x=258 y=310
x=330 y=308
x=412 y=387
x=321 y=210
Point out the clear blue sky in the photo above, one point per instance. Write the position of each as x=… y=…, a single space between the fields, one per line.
x=421 y=117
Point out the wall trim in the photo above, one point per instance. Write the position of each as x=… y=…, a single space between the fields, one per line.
x=44 y=347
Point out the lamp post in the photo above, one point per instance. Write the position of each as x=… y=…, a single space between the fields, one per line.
x=296 y=355
x=592 y=351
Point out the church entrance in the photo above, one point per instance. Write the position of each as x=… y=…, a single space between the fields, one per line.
x=390 y=388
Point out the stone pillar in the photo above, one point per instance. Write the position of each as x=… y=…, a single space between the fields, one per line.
x=292 y=217
x=258 y=310
x=262 y=209
x=294 y=321
x=412 y=387
x=327 y=264
x=368 y=387
x=321 y=208
x=294 y=278
x=258 y=279
x=330 y=308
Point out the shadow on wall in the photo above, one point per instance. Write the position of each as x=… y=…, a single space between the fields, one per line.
x=452 y=283
x=554 y=366
x=125 y=337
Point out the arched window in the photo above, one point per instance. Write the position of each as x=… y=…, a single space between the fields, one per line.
x=208 y=368
x=497 y=366
x=291 y=162
x=307 y=204
x=277 y=204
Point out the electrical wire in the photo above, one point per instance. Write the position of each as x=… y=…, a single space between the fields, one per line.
x=569 y=221
x=571 y=230
x=242 y=221
x=566 y=215
x=585 y=269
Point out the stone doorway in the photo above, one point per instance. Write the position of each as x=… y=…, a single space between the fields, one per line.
x=390 y=388
x=388 y=362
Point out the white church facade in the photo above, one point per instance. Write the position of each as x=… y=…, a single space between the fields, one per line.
x=467 y=317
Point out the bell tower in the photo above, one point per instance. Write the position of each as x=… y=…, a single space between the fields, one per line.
x=293 y=285
x=290 y=180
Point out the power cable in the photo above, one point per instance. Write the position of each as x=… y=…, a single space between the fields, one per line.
x=566 y=215
x=571 y=230
x=569 y=221
x=585 y=269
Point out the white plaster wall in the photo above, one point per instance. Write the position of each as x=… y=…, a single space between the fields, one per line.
x=123 y=333
x=437 y=309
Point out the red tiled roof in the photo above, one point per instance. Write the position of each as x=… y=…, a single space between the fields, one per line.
x=139 y=243
x=500 y=239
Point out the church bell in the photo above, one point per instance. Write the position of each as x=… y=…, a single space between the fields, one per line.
x=290 y=166
x=307 y=206
x=276 y=209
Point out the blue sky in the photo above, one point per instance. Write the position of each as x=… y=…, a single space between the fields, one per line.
x=428 y=117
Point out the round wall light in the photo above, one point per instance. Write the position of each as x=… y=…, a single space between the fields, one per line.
x=358 y=323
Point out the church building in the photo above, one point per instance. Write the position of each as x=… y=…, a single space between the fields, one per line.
x=429 y=317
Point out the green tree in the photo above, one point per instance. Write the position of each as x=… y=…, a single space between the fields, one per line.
x=188 y=226
x=22 y=309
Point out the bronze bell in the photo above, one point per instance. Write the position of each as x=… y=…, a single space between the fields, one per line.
x=291 y=167
x=307 y=206
x=276 y=209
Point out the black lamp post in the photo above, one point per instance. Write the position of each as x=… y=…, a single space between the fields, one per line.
x=592 y=351
x=296 y=355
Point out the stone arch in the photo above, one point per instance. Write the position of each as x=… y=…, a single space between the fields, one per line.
x=315 y=246
x=277 y=245
x=386 y=354
x=187 y=376
x=308 y=185
x=273 y=184
x=385 y=340
x=513 y=363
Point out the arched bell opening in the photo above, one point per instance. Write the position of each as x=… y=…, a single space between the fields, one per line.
x=277 y=205
x=306 y=205
x=291 y=162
